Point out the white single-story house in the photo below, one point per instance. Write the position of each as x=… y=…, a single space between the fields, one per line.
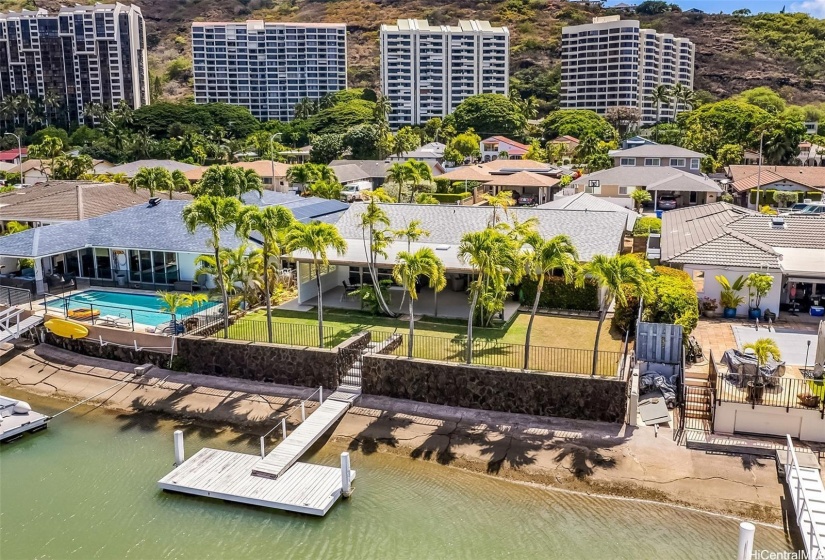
x=592 y=233
x=723 y=239
x=431 y=153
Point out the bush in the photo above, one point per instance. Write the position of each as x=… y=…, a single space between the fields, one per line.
x=769 y=196
x=645 y=226
x=557 y=294
x=451 y=198
x=624 y=316
x=673 y=299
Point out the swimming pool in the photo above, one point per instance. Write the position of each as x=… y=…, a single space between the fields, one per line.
x=142 y=308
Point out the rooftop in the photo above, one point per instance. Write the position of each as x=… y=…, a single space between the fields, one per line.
x=656 y=151
x=589 y=203
x=523 y=179
x=746 y=177
x=131 y=169
x=652 y=178
x=423 y=25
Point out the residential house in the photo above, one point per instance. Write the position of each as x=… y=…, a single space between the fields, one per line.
x=723 y=239
x=808 y=182
x=636 y=141
x=145 y=246
x=349 y=171
x=618 y=182
x=570 y=144
x=658 y=155
x=432 y=154
x=14 y=155
x=811 y=155
x=588 y=203
x=273 y=174
x=592 y=233
x=297 y=155
x=68 y=201
x=131 y=169
x=495 y=147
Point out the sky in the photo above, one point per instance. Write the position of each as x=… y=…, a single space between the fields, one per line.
x=814 y=7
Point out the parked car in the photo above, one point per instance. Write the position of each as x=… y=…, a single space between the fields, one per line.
x=355 y=191
x=21 y=186
x=806 y=208
x=527 y=200
x=667 y=202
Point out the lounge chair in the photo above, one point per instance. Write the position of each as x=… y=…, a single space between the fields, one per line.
x=349 y=288
x=167 y=328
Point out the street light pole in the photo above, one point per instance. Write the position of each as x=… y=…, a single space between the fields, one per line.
x=759 y=171
x=19 y=154
x=272 y=156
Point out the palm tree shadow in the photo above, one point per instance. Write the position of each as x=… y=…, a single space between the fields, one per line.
x=147 y=413
x=379 y=432
x=434 y=445
x=584 y=459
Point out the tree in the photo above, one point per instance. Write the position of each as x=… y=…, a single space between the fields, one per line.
x=547 y=256
x=305 y=108
x=408 y=267
x=376 y=235
x=342 y=116
x=50 y=148
x=536 y=152
x=179 y=182
x=623 y=118
x=652 y=7
x=15 y=227
x=660 y=95
x=615 y=276
x=331 y=190
x=577 y=123
x=599 y=161
x=786 y=198
x=490 y=113
x=730 y=154
x=466 y=144
x=326 y=147
x=228 y=181
x=68 y=167
x=640 y=197
x=405 y=140
x=153 y=179
x=742 y=12
x=764 y=98
x=781 y=142
x=729 y=122
x=501 y=200
x=362 y=141
x=399 y=173
x=272 y=223
x=764 y=349
x=215 y=213
x=419 y=174
x=316 y=238
x=172 y=301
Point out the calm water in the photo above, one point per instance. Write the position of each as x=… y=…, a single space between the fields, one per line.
x=85 y=488
x=145 y=309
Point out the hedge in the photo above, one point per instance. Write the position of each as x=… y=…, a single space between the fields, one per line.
x=673 y=300
x=766 y=196
x=557 y=294
x=647 y=225
x=451 y=198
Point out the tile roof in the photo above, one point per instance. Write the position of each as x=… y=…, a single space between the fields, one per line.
x=467 y=173
x=592 y=232
x=565 y=139
x=11 y=155
x=590 y=203
x=261 y=167
x=505 y=140
x=656 y=151
x=366 y=169
x=803 y=232
x=514 y=164
x=750 y=182
x=807 y=176
x=523 y=179
x=70 y=200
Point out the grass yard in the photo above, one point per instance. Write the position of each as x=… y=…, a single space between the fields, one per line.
x=558 y=343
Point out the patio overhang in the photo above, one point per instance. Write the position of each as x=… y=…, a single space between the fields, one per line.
x=356 y=255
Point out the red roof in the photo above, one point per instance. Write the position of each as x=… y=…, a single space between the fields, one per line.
x=512 y=143
x=10 y=155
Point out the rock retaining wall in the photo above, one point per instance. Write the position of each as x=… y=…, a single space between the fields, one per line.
x=504 y=390
x=92 y=347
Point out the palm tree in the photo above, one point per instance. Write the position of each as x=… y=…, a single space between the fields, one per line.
x=419 y=173
x=764 y=349
x=557 y=253
x=612 y=275
x=172 y=301
x=271 y=222
x=660 y=94
x=679 y=93
x=382 y=110
x=325 y=189
x=228 y=181
x=399 y=173
x=408 y=267
x=588 y=146
x=50 y=148
x=216 y=213
x=316 y=238
x=242 y=267
x=501 y=200
x=153 y=179
x=179 y=182
x=379 y=239
x=50 y=101
x=413 y=232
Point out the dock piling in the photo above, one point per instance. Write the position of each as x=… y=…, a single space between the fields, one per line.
x=283 y=426
x=346 y=476
x=263 y=449
x=303 y=412
x=178 y=448
x=746 y=532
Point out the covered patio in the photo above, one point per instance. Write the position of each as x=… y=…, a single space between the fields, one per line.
x=525 y=183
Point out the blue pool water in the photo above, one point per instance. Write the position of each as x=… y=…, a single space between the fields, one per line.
x=142 y=308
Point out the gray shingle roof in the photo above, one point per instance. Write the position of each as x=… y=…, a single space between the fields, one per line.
x=803 y=232
x=131 y=169
x=590 y=203
x=656 y=151
x=592 y=232
x=659 y=178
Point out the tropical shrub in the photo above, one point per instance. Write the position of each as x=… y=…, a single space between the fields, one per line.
x=557 y=294
x=647 y=225
x=673 y=299
x=450 y=198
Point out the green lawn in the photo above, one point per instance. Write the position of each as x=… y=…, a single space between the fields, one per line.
x=558 y=343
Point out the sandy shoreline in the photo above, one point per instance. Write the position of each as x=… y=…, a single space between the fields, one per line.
x=589 y=457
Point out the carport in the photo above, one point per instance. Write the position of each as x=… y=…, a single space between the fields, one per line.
x=525 y=183
x=688 y=189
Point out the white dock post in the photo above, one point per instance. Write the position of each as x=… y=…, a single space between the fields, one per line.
x=283 y=426
x=303 y=412
x=178 y=448
x=263 y=450
x=746 y=532
x=321 y=394
x=346 y=476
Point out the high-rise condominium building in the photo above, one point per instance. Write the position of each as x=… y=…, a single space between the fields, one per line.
x=268 y=67
x=427 y=70
x=616 y=63
x=81 y=55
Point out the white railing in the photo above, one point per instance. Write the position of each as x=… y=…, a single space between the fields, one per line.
x=802 y=505
x=282 y=425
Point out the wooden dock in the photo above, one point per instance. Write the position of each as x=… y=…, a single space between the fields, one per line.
x=305 y=488
x=14 y=421
x=277 y=480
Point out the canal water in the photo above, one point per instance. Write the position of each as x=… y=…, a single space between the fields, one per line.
x=86 y=488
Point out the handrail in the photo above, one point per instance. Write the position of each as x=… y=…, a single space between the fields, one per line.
x=302 y=404
x=802 y=502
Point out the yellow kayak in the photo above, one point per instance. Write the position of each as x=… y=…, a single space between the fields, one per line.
x=66 y=329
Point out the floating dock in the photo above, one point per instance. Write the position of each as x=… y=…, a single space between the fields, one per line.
x=276 y=480
x=17 y=418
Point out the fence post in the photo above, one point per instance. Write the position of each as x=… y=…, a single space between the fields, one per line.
x=263 y=451
x=283 y=426
x=132 y=318
x=303 y=412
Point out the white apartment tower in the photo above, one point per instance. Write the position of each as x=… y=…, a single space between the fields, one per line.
x=81 y=55
x=268 y=67
x=616 y=63
x=427 y=70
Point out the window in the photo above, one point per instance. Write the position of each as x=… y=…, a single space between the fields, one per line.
x=694 y=163
x=699 y=280
x=627 y=162
x=653 y=162
x=624 y=190
x=677 y=162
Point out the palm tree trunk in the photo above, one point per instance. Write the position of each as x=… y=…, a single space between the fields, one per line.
x=374 y=275
x=470 y=323
x=539 y=288
x=266 y=294
x=602 y=315
x=412 y=327
x=400 y=186
x=320 y=307
x=224 y=294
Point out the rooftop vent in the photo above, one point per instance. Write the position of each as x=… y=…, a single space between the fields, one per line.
x=154 y=201
x=778 y=222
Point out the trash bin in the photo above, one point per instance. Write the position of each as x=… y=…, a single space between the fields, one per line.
x=121 y=280
x=659 y=214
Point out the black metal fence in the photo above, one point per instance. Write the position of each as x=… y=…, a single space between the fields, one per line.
x=492 y=352
x=11 y=296
x=290 y=334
